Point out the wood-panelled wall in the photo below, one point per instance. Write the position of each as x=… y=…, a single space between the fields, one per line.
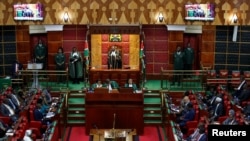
x=23 y=44
x=208 y=46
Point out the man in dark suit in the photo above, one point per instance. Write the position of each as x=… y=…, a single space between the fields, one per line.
x=3 y=129
x=240 y=88
x=188 y=116
x=16 y=67
x=217 y=110
x=38 y=115
x=198 y=134
x=13 y=101
x=7 y=111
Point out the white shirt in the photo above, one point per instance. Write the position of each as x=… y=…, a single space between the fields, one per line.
x=241 y=84
x=113 y=53
x=109 y=87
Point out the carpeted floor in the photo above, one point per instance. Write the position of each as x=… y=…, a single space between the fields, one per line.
x=151 y=133
x=76 y=134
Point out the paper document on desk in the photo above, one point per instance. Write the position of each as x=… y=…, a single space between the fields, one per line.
x=174 y=108
x=10 y=132
x=50 y=114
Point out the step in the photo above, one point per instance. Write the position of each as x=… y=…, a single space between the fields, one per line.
x=149 y=122
x=76 y=112
x=147 y=108
x=152 y=100
x=152 y=115
x=76 y=100
x=76 y=95
x=76 y=121
x=76 y=108
x=152 y=112
x=76 y=105
x=151 y=95
x=156 y=105
x=76 y=115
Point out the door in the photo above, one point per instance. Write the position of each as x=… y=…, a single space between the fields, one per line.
x=34 y=38
x=194 y=40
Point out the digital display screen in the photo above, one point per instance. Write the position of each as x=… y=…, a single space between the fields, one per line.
x=33 y=12
x=203 y=12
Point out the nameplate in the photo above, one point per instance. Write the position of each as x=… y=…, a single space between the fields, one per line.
x=35 y=66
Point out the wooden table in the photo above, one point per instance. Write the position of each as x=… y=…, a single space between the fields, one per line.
x=99 y=134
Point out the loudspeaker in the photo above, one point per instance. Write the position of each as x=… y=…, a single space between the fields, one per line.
x=235 y=33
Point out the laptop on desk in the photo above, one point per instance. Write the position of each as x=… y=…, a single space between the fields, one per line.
x=101 y=90
x=126 y=90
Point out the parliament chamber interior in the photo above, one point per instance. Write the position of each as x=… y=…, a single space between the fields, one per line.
x=113 y=70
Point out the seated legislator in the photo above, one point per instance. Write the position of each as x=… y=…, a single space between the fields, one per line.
x=16 y=66
x=244 y=95
x=217 y=110
x=230 y=120
x=14 y=99
x=98 y=84
x=131 y=84
x=240 y=88
x=199 y=133
x=7 y=111
x=188 y=116
x=183 y=105
x=110 y=84
x=46 y=96
x=27 y=136
x=40 y=116
x=3 y=129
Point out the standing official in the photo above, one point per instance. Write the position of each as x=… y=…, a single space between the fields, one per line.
x=60 y=63
x=75 y=66
x=41 y=54
x=188 y=58
x=178 y=65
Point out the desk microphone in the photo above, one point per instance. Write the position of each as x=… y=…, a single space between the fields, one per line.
x=97 y=130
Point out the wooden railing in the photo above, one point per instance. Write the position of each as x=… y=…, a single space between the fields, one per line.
x=46 y=76
x=187 y=76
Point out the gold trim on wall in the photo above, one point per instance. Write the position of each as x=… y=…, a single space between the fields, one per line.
x=96 y=51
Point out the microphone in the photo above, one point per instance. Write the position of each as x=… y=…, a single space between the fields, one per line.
x=94 y=125
x=97 y=130
x=114 y=122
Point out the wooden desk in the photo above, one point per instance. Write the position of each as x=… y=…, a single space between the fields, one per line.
x=125 y=109
x=121 y=76
x=98 y=134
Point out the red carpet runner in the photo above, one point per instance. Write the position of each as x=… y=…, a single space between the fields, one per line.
x=77 y=134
